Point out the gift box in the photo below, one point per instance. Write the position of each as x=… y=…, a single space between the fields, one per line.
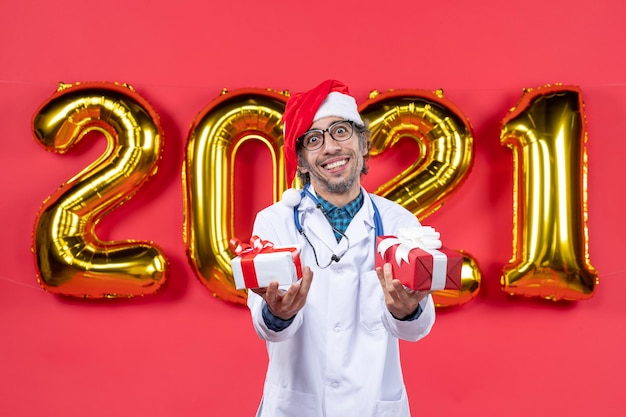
x=260 y=262
x=419 y=260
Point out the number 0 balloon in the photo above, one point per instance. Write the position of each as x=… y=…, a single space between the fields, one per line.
x=70 y=258
x=216 y=134
x=547 y=134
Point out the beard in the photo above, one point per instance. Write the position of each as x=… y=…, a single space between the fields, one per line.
x=334 y=186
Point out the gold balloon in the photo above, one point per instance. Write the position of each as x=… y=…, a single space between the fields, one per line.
x=445 y=140
x=547 y=133
x=471 y=277
x=216 y=134
x=70 y=258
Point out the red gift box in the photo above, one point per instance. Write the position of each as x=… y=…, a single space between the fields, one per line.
x=260 y=262
x=418 y=268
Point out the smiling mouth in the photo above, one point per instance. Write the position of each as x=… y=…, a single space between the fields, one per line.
x=335 y=164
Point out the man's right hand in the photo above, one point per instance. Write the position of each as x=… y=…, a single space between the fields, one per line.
x=285 y=304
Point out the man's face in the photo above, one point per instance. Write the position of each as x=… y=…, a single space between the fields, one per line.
x=334 y=168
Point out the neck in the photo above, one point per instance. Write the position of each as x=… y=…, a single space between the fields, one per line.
x=339 y=200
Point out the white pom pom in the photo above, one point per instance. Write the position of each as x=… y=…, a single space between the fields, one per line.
x=291 y=197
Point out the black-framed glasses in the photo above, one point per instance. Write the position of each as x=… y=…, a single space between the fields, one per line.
x=340 y=131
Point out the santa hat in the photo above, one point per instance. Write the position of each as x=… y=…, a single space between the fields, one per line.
x=330 y=98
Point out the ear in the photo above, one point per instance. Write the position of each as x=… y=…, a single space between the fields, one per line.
x=363 y=146
x=302 y=170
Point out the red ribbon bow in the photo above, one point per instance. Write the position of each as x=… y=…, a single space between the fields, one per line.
x=256 y=245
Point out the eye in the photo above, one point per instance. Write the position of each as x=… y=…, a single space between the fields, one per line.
x=312 y=140
x=341 y=130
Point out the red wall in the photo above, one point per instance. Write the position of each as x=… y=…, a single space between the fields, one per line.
x=183 y=352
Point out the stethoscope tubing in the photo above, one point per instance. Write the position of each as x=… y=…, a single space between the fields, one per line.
x=378 y=223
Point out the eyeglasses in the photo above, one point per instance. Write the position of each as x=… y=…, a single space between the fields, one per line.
x=340 y=131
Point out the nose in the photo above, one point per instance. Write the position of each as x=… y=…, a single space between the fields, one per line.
x=330 y=144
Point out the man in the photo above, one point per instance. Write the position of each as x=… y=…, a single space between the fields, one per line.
x=332 y=338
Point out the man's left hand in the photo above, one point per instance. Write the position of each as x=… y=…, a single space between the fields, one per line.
x=401 y=301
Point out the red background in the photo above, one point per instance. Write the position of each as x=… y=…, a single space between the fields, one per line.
x=183 y=352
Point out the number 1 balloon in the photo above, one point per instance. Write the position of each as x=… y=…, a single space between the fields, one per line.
x=547 y=133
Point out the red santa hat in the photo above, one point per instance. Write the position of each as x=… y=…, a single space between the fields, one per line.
x=330 y=98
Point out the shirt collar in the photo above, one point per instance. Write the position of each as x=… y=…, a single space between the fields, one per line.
x=352 y=208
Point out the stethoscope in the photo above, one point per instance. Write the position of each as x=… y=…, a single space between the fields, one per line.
x=378 y=225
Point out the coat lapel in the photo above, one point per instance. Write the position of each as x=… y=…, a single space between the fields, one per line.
x=315 y=223
x=362 y=224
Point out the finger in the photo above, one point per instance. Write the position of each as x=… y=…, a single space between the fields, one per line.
x=402 y=293
x=420 y=295
x=408 y=290
x=388 y=279
x=399 y=286
x=307 y=279
x=385 y=282
x=381 y=276
x=271 y=294
x=291 y=293
x=380 y=272
x=414 y=293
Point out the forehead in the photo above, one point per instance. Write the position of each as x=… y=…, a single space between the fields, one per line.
x=324 y=122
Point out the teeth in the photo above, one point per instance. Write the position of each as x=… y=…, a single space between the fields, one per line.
x=336 y=164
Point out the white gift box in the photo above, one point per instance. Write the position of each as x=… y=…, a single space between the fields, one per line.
x=257 y=269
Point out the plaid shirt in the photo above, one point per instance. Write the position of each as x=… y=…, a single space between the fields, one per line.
x=340 y=217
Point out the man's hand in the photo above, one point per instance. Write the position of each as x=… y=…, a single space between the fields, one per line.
x=401 y=301
x=285 y=304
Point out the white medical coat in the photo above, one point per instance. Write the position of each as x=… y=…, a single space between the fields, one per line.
x=340 y=355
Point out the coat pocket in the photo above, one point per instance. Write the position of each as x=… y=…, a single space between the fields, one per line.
x=399 y=408
x=283 y=402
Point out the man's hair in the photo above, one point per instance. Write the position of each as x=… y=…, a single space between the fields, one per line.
x=364 y=135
